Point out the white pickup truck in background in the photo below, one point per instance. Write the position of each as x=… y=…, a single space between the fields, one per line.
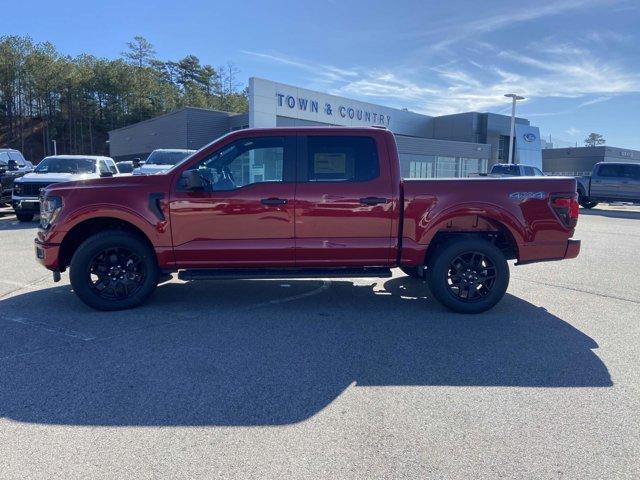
x=510 y=170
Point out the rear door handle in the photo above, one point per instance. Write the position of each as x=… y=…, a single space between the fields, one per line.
x=373 y=200
x=274 y=201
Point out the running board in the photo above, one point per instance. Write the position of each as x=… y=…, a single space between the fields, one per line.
x=262 y=273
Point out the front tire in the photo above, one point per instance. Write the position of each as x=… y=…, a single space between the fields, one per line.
x=114 y=270
x=24 y=217
x=468 y=275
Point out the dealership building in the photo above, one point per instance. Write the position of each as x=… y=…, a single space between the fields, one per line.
x=580 y=160
x=429 y=146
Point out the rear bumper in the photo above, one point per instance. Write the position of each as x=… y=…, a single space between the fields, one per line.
x=573 y=249
x=47 y=254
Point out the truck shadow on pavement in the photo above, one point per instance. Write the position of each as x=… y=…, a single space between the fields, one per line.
x=208 y=354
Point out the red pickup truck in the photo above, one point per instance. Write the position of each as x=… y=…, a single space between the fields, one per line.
x=302 y=203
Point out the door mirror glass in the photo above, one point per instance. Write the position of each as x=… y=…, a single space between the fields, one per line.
x=12 y=165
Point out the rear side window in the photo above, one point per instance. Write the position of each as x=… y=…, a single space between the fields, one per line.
x=341 y=159
x=631 y=171
x=610 y=170
x=528 y=171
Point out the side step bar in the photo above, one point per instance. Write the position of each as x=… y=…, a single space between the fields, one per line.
x=262 y=273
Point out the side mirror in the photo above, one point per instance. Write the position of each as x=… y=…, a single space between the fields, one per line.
x=106 y=174
x=136 y=163
x=12 y=165
x=191 y=180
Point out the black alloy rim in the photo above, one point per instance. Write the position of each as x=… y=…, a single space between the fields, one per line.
x=471 y=277
x=116 y=273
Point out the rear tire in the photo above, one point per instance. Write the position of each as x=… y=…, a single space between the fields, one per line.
x=114 y=270
x=24 y=217
x=468 y=275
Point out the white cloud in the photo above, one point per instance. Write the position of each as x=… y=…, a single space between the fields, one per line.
x=464 y=30
x=573 y=131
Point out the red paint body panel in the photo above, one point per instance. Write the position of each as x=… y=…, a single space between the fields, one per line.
x=323 y=223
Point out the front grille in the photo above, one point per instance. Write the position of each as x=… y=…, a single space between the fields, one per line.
x=31 y=189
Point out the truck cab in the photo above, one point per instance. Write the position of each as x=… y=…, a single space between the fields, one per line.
x=610 y=182
x=12 y=166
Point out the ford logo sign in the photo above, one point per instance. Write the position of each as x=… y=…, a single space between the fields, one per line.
x=529 y=137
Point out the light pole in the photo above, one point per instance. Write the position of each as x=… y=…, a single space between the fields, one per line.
x=514 y=99
x=55 y=147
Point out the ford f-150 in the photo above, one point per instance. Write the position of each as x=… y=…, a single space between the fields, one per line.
x=296 y=203
x=610 y=182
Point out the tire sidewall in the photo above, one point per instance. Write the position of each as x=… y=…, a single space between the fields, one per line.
x=96 y=243
x=439 y=267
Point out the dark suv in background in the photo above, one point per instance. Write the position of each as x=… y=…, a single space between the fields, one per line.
x=12 y=166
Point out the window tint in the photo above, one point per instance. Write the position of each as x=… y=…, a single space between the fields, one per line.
x=610 y=170
x=505 y=169
x=631 y=171
x=341 y=159
x=17 y=157
x=246 y=161
x=528 y=171
x=4 y=158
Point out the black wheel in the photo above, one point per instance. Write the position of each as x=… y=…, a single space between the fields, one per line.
x=24 y=217
x=468 y=275
x=114 y=270
x=587 y=204
x=413 y=272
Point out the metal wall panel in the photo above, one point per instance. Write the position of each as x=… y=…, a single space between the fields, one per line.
x=204 y=126
x=140 y=139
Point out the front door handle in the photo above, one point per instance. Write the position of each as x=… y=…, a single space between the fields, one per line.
x=274 y=201
x=373 y=200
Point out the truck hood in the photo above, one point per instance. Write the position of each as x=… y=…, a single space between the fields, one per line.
x=118 y=184
x=54 y=177
x=151 y=169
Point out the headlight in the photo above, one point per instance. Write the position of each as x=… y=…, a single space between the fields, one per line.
x=17 y=189
x=49 y=210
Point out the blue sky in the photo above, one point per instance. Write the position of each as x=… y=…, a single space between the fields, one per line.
x=576 y=61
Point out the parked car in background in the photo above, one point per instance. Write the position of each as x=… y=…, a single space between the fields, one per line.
x=302 y=203
x=161 y=160
x=125 y=167
x=511 y=170
x=610 y=182
x=56 y=169
x=12 y=165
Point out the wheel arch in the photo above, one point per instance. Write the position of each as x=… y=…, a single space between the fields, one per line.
x=86 y=228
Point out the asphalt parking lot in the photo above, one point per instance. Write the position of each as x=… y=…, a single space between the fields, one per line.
x=327 y=379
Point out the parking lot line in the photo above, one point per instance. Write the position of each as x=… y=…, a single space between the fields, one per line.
x=51 y=328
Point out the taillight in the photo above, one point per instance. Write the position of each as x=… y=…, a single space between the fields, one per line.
x=567 y=208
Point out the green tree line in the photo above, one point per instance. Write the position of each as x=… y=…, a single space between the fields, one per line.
x=45 y=95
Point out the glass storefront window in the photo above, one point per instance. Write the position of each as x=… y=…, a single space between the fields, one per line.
x=446 y=167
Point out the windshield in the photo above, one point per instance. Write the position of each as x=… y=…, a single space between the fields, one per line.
x=505 y=169
x=66 y=165
x=167 y=158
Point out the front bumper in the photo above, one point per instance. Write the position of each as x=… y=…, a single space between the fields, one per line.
x=47 y=254
x=26 y=204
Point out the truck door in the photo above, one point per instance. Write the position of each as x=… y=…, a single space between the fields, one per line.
x=344 y=202
x=630 y=187
x=243 y=216
x=607 y=182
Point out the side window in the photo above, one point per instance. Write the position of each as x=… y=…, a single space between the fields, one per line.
x=18 y=158
x=528 y=171
x=609 y=170
x=102 y=167
x=4 y=159
x=341 y=159
x=246 y=161
x=537 y=172
x=112 y=166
